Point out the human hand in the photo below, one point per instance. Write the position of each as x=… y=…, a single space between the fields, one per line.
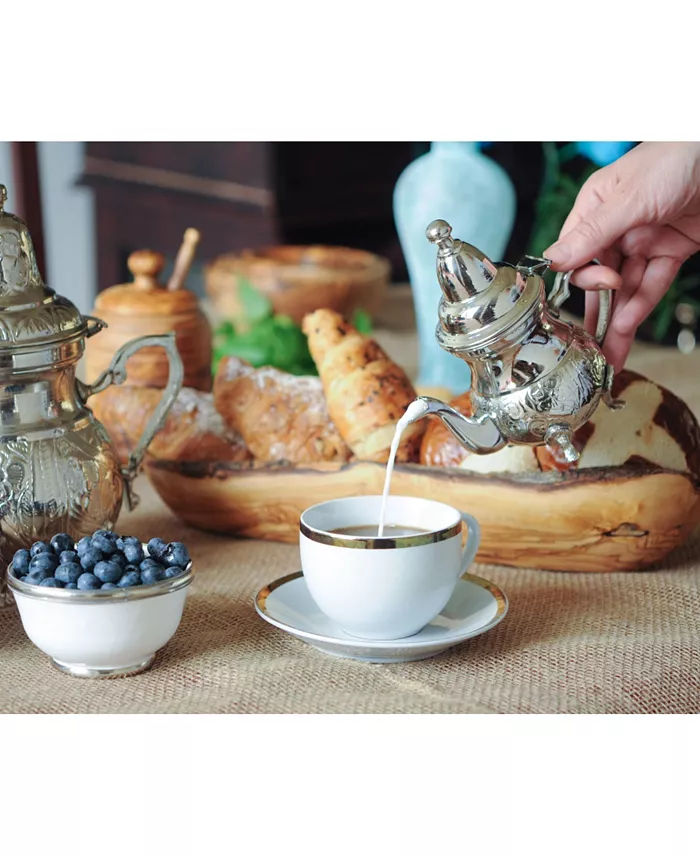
x=640 y=217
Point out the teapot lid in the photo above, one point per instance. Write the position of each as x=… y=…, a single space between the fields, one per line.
x=481 y=299
x=31 y=313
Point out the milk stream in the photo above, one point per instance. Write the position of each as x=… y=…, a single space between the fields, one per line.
x=414 y=411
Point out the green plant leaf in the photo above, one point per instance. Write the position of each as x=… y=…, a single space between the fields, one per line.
x=362 y=321
x=274 y=340
x=256 y=306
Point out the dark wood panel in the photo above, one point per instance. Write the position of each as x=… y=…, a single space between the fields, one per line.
x=154 y=220
x=242 y=195
x=249 y=163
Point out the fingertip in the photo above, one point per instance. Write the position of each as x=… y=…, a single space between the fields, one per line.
x=559 y=254
x=597 y=277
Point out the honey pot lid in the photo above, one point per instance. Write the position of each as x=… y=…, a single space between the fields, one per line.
x=31 y=313
x=147 y=294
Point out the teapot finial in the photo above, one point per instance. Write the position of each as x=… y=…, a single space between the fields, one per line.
x=439 y=232
x=3 y=197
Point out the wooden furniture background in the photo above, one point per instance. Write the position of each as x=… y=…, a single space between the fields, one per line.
x=242 y=194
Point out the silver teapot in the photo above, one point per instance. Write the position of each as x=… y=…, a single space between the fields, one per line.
x=58 y=469
x=535 y=378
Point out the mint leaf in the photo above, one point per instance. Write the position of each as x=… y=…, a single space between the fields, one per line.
x=362 y=321
x=256 y=306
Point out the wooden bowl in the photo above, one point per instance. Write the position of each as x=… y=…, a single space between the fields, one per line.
x=617 y=518
x=299 y=279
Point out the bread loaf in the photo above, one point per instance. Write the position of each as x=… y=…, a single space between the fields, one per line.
x=655 y=428
x=280 y=416
x=193 y=431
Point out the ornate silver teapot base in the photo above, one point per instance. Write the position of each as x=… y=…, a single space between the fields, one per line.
x=70 y=482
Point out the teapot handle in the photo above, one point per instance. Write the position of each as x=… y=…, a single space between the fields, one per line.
x=560 y=292
x=116 y=375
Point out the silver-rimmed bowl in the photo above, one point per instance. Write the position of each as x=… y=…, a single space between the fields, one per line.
x=109 y=633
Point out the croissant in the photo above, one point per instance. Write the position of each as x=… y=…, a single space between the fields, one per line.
x=280 y=416
x=366 y=392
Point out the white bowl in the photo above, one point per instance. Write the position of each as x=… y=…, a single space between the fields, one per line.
x=109 y=633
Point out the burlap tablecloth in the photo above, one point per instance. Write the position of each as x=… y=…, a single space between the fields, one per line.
x=574 y=643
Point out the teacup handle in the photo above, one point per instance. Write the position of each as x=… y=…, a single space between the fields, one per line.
x=473 y=542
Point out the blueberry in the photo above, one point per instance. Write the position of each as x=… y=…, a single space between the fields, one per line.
x=20 y=562
x=50 y=582
x=70 y=572
x=174 y=571
x=133 y=552
x=123 y=540
x=150 y=562
x=88 y=582
x=176 y=555
x=61 y=543
x=70 y=585
x=18 y=574
x=107 y=585
x=83 y=544
x=40 y=546
x=156 y=547
x=152 y=574
x=105 y=544
x=108 y=571
x=120 y=559
x=90 y=557
x=104 y=532
x=43 y=561
x=68 y=556
x=131 y=578
x=37 y=577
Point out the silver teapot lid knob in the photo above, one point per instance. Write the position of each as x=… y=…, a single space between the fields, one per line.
x=439 y=232
x=3 y=197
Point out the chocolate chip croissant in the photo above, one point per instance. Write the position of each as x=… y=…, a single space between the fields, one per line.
x=366 y=392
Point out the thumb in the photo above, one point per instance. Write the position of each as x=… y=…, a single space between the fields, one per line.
x=591 y=235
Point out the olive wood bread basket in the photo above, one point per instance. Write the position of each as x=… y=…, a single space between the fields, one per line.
x=599 y=519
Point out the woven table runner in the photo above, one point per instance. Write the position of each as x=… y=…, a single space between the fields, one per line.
x=571 y=643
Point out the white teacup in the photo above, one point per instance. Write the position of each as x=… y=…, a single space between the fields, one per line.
x=389 y=587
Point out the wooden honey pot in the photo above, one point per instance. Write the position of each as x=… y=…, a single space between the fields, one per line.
x=148 y=307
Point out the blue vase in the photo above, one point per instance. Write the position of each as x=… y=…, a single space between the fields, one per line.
x=454 y=181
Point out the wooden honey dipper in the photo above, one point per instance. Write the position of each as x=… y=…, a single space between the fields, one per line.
x=184 y=259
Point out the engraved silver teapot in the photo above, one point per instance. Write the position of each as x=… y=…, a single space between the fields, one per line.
x=58 y=469
x=535 y=378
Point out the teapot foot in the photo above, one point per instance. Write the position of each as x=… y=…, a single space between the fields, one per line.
x=607 y=396
x=558 y=438
x=612 y=403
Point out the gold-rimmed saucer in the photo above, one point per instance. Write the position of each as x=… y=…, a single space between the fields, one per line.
x=475 y=607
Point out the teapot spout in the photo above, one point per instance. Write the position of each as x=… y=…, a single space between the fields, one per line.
x=479 y=433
